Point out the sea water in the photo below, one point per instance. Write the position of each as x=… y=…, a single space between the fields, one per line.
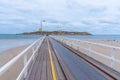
x=11 y=40
x=92 y=37
x=8 y=41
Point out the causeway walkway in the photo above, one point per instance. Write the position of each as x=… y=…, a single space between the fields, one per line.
x=41 y=69
x=52 y=59
x=46 y=65
x=56 y=62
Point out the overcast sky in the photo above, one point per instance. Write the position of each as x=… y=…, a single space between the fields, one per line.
x=94 y=16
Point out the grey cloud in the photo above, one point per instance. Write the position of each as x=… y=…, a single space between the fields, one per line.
x=97 y=10
x=86 y=22
x=62 y=15
x=109 y=22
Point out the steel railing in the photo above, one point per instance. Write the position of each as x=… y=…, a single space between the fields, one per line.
x=89 y=49
x=34 y=46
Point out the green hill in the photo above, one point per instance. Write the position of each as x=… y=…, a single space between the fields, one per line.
x=57 y=33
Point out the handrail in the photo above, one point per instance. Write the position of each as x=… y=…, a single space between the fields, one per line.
x=100 y=44
x=113 y=48
x=25 y=67
x=5 y=67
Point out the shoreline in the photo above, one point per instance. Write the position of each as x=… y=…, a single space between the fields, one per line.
x=8 y=54
x=12 y=43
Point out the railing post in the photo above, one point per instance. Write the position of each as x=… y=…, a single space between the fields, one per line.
x=90 y=46
x=78 y=47
x=62 y=41
x=71 y=45
x=33 y=50
x=113 y=58
x=25 y=62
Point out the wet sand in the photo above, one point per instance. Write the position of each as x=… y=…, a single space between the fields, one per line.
x=6 y=56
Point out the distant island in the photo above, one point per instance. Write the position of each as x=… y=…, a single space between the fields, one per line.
x=56 y=33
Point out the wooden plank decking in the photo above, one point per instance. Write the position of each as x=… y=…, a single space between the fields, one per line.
x=41 y=68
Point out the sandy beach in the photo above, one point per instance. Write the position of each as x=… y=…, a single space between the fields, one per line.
x=102 y=51
x=6 y=56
